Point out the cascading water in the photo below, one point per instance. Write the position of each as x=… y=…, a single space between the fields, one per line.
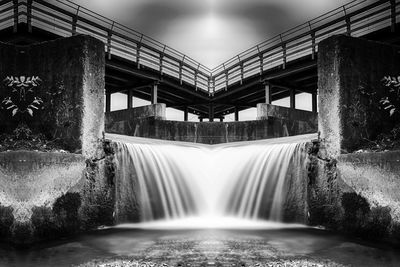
x=164 y=180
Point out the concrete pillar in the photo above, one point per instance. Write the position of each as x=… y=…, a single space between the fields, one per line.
x=72 y=69
x=346 y=64
x=108 y=101
x=267 y=93
x=154 y=92
x=314 y=102
x=129 y=100
x=236 y=114
x=211 y=112
x=186 y=114
x=292 y=98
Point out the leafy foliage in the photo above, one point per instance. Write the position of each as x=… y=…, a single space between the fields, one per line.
x=391 y=101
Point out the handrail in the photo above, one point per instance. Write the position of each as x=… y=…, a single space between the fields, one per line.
x=356 y=18
x=66 y=18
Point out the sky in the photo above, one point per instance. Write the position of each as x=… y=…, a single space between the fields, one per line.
x=211 y=31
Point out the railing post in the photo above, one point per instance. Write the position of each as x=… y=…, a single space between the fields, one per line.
x=180 y=72
x=226 y=80
x=241 y=73
x=138 y=56
x=161 y=64
x=15 y=5
x=261 y=64
x=75 y=21
x=284 y=55
x=312 y=45
x=393 y=15
x=195 y=79
x=109 y=45
x=348 y=22
x=29 y=15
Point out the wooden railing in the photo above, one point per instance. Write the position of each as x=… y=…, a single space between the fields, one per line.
x=65 y=18
x=356 y=18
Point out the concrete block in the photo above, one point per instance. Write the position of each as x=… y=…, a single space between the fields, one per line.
x=69 y=89
x=348 y=70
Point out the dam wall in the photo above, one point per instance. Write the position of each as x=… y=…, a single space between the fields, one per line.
x=149 y=122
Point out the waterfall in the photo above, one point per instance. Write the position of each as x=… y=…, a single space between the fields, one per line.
x=168 y=180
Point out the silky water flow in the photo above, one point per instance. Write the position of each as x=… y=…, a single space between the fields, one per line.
x=166 y=181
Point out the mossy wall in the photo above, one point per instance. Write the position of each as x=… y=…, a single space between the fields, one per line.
x=350 y=73
x=70 y=86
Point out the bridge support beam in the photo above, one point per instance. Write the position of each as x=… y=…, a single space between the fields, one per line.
x=129 y=104
x=186 y=114
x=314 y=100
x=108 y=101
x=154 y=92
x=236 y=114
x=292 y=98
x=267 y=93
x=211 y=112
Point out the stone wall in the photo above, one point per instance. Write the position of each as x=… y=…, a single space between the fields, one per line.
x=279 y=124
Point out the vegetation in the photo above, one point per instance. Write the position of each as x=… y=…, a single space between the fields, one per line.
x=387 y=103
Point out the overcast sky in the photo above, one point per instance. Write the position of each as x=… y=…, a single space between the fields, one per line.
x=211 y=31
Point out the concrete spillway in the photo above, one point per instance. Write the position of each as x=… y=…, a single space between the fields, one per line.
x=169 y=180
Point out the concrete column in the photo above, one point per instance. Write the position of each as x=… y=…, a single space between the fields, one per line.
x=339 y=89
x=108 y=101
x=314 y=102
x=129 y=100
x=236 y=114
x=292 y=98
x=211 y=112
x=154 y=92
x=267 y=93
x=186 y=114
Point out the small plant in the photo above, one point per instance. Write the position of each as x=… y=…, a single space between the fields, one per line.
x=391 y=101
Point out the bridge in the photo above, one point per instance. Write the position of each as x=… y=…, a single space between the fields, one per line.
x=139 y=66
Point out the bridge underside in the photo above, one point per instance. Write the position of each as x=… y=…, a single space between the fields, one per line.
x=136 y=80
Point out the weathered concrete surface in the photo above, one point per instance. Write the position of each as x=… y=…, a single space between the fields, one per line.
x=290 y=122
x=350 y=70
x=45 y=195
x=53 y=194
x=72 y=90
x=31 y=179
x=374 y=176
x=149 y=111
